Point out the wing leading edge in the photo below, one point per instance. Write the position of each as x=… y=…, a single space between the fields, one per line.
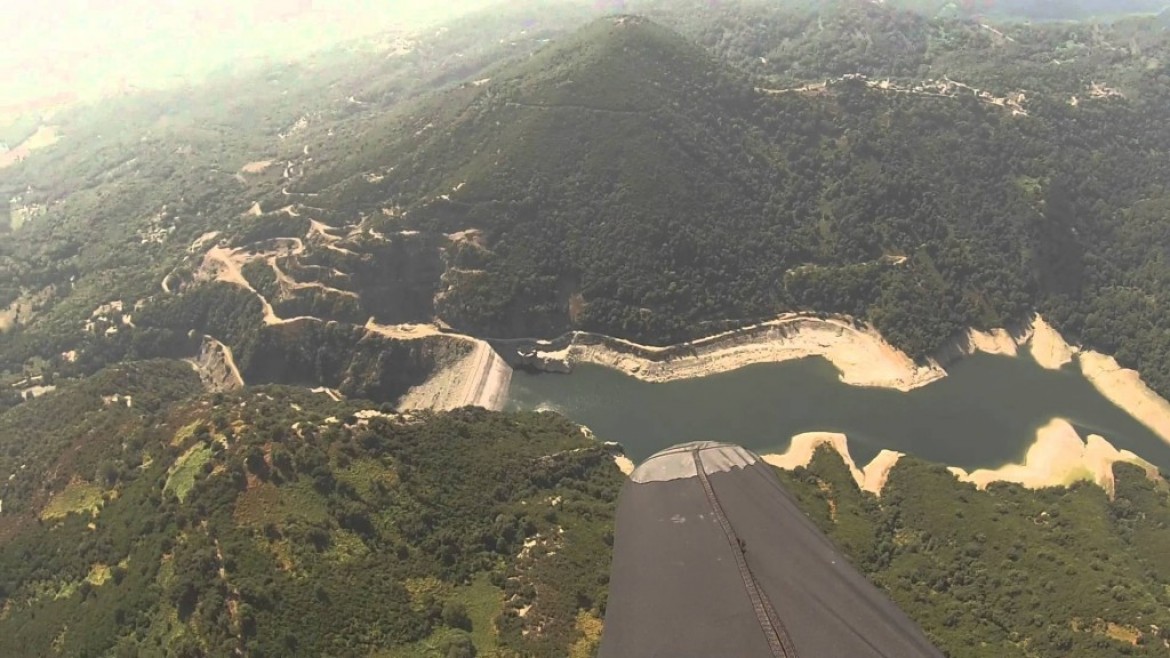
x=712 y=557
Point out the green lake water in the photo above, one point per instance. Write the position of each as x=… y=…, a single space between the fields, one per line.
x=984 y=414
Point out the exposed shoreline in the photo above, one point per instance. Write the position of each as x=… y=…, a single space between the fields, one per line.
x=857 y=351
x=872 y=477
x=862 y=356
x=1057 y=457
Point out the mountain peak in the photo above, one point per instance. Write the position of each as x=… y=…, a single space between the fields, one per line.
x=622 y=63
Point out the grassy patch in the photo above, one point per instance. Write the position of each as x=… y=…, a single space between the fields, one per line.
x=51 y=590
x=269 y=503
x=1030 y=186
x=484 y=602
x=184 y=433
x=364 y=474
x=78 y=496
x=166 y=570
x=429 y=647
x=98 y=575
x=346 y=547
x=183 y=472
x=590 y=627
x=423 y=589
x=282 y=552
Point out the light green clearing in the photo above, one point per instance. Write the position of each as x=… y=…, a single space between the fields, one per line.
x=182 y=475
x=77 y=496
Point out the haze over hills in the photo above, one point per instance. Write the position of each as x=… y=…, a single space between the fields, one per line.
x=1065 y=10
x=232 y=316
x=69 y=52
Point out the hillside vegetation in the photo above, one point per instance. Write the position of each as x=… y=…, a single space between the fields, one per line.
x=705 y=198
x=277 y=522
x=656 y=179
x=927 y=174
x=1006 y=572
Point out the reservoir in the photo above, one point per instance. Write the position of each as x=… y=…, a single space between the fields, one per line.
x=983 y=415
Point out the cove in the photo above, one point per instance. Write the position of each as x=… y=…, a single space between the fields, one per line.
x=983 y=415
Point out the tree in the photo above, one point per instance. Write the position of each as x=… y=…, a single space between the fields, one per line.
x=455 y=615
x=458 y=645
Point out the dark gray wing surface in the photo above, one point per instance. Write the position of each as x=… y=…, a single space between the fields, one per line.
x=712 y=557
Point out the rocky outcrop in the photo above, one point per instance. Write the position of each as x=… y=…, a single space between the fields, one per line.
x=373 y=363
x=217 y=366
x=478 y=378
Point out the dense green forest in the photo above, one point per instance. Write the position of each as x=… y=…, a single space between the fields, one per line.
x=653 y=180
x=277 y=522
x=1006 y=572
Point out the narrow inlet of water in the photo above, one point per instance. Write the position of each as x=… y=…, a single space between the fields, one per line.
x=984 y=414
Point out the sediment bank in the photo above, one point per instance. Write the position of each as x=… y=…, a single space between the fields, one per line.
x=857 y=350
x=1060 y=457
x=871 y=478
x=859 y=353
x=1057 y=457
x=216 y=366
x=1125 y=388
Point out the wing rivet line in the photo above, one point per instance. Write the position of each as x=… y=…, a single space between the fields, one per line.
x=774 y=631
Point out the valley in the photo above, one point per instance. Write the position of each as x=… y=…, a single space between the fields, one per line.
x=351 y=353
x=995 y=392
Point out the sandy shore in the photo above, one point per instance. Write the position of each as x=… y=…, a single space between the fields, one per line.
x=871 y=478
x=1125 y=388
x=1058 y=457
x=1048 y=347
x=481 y=378
x=859 y=353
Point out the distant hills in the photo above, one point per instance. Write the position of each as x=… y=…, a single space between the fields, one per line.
x=521 y=175
x=623 y=181
x=1065 y=10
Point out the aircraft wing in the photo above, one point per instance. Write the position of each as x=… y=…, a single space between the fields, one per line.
x=713 y=558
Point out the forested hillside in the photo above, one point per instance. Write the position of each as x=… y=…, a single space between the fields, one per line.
x=120 y=210
x=152 y=520
x=1006 y=572
x=332 y=224
x=623 y=181
x=927 y=174
x=1043 y=10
